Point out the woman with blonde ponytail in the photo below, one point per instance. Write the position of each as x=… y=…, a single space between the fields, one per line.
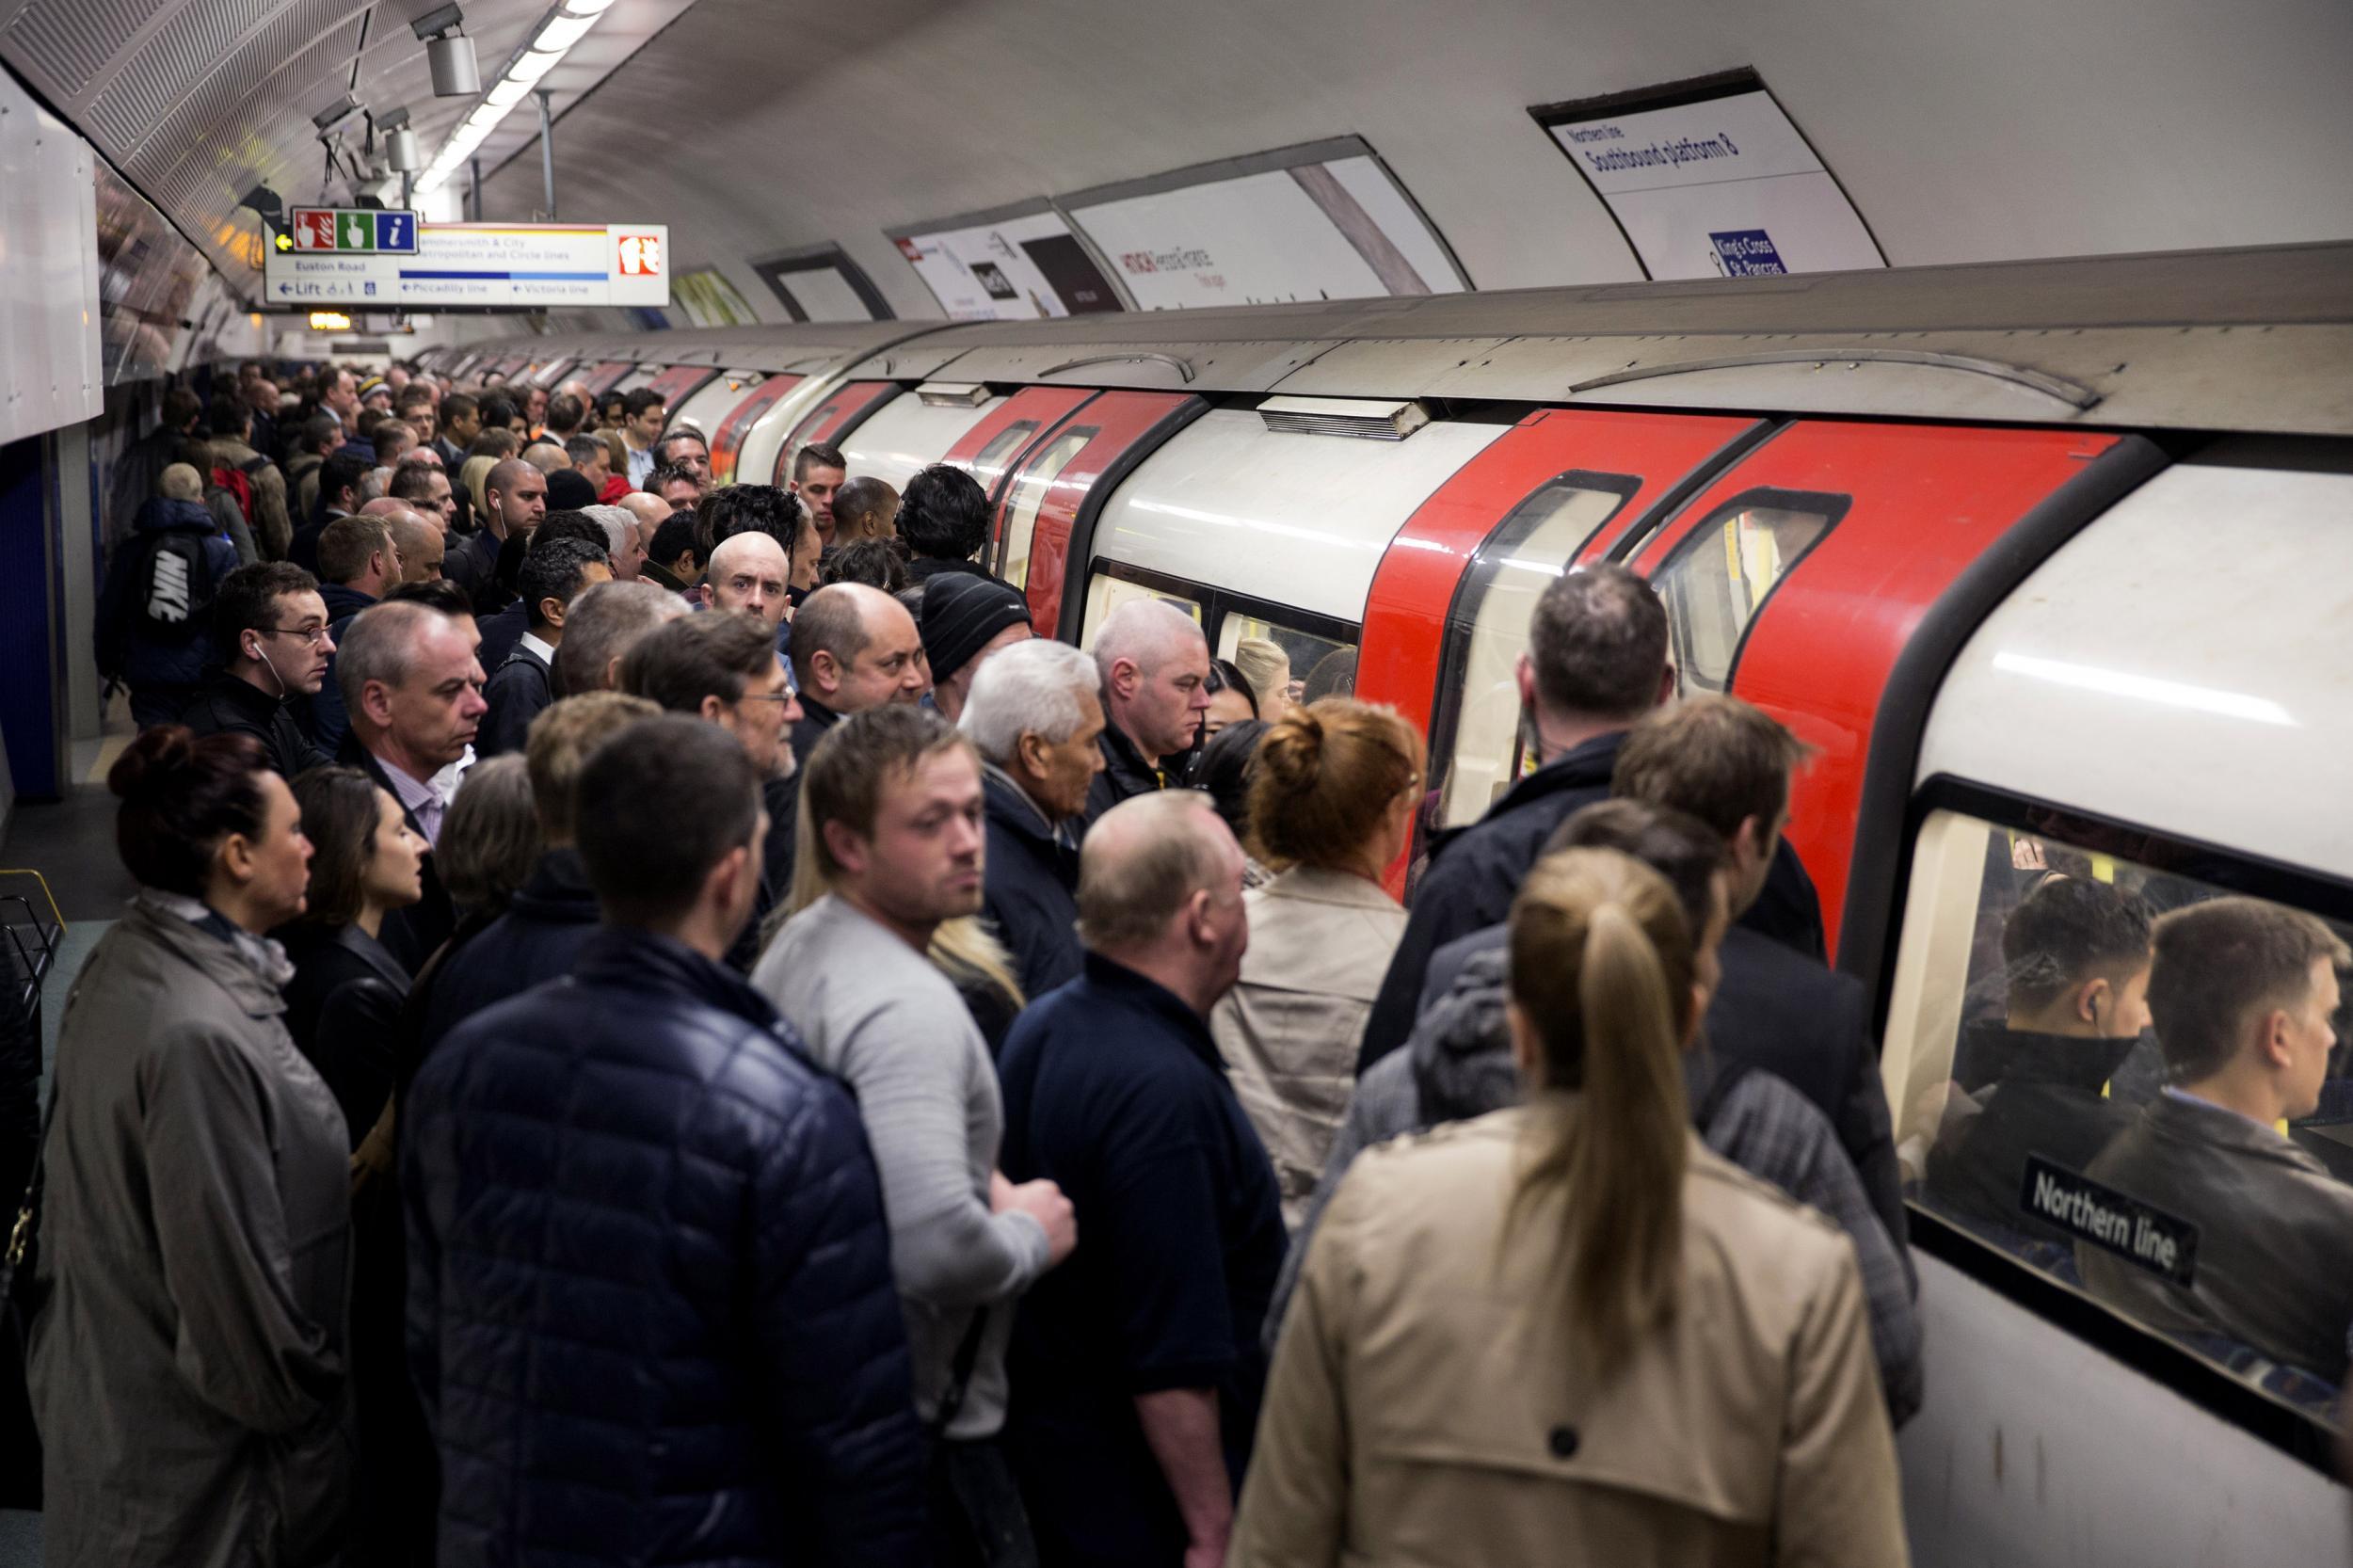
x=1566 y=1332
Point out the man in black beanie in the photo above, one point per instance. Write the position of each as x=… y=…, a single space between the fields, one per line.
x=965 y=618
x=568 y=490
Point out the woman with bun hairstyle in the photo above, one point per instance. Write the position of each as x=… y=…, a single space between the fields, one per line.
x=186 y=1356
x=342 y=1006
x=1330 y=795
x=1566 y=1332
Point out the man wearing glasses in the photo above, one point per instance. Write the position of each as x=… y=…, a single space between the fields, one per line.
x=270 y=623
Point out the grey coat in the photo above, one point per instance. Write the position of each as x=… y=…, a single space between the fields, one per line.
x=186 y=1360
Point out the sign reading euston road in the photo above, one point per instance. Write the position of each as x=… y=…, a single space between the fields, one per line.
x=344 y=229
x=392 y=261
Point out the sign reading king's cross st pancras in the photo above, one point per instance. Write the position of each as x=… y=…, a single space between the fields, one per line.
x=346 y=231
x=338 y=256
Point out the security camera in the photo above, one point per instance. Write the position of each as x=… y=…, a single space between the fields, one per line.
x=449 y=53
x=329 y=119
x=401 y=153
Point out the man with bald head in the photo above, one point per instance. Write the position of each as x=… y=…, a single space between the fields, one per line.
x=546 y=456
x=419 y=542
x=649 y=513
x=515 y=498
x=1139 y=1373
x=749 y=573
x=1154 y=665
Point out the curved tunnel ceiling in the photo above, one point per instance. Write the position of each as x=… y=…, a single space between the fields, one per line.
x=1976 y=130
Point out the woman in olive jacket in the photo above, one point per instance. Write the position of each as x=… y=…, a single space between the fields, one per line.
x=1566 y=1332
x=186 y=1350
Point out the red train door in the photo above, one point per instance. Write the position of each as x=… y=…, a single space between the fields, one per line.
x=1447 y=618
x=603 y=377
x=679 y=382
x=992 y=449
x=831 y=420
x=727 y=442
x=1795 y=578
x=1046 y=521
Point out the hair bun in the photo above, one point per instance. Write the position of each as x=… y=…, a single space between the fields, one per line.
x=152 y=761
x=1294 y=746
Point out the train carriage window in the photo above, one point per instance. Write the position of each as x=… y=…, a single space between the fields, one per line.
x=1724 y=569
x=990 y=462
x=1105 y=593
x=1036 y=477
x=1311 y=666
x=1477 y=726
x=2187 y=1182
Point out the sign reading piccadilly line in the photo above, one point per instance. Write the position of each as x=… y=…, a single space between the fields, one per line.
x=345 y=230
x=410 y=266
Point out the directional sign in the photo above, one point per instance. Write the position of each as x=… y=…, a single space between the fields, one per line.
x=353 y=230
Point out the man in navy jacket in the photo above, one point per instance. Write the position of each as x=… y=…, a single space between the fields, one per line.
x=650 y=1307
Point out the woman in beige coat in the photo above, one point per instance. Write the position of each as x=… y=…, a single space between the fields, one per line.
x=1567 y=1333
x=1332 y=792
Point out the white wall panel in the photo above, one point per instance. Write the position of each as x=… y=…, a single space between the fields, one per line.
x=49 y=266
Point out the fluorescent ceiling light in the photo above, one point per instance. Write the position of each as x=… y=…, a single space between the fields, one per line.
x=562 y=33
x=586 y=7
x=534 y=66
x=510 y=91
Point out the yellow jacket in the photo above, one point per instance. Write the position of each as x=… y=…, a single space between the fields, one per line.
x=1426 y=1405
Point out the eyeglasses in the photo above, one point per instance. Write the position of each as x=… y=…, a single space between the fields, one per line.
x=310 y=635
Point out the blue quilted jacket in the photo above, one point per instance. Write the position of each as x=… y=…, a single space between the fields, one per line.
x=651 y=1309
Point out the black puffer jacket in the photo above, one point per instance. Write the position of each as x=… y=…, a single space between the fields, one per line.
x=651 y=1308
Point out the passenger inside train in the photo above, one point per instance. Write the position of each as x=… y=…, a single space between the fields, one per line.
x=1668 y=889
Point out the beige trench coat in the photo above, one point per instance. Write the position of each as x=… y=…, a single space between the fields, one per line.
x=1319 y=942
x=1425 y=1405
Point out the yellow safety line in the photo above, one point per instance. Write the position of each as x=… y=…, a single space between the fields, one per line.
x=45 y=893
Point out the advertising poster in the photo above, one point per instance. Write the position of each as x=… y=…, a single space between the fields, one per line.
x=822 y=283
x=1016 y=265
x=1713 y=182
x=1326 y=222
x=550 y=266
x=709 y=300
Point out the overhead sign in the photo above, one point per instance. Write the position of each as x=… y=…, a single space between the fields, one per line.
x=353 y=228
x=450 y=265
x=1015 y=265
x=1326 y=221
x=1711 y=180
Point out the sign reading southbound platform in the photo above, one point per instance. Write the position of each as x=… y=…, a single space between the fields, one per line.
x=389 y=263
x=1712 y=179
x=344 y=229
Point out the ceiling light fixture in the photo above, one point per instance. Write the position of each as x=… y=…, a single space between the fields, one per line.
x=549 y=41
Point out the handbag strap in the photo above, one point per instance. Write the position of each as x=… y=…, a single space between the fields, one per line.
x=27 y=1220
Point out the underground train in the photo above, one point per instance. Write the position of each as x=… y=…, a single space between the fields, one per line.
x=2051 y=563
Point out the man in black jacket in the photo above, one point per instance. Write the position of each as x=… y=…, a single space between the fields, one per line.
x=270 y=623
x=1155 y=668
x=553 y=576
x=650 y=1287
x=413 y=689
x=1596 y=663
x=553 y=916
x=1033 y=715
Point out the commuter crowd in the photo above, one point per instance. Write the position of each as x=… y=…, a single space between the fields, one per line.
x=663 y=1025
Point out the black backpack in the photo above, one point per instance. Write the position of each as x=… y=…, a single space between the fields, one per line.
x=173 y=589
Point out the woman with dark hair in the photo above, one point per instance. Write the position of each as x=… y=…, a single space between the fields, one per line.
x=1232 y=698
x=342 y=1006
x=187 y=1356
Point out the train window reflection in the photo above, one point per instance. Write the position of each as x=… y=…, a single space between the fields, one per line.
x=1029 y=494
x=1479 y=725
x=1107 y=593
x=1720 y=575
x=989 y=463
x=2133 y=1081
x=1285 y=664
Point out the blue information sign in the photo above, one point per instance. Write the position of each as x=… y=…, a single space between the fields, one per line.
x=396 y=231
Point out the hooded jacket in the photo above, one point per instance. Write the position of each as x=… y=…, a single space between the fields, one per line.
x=141 y=658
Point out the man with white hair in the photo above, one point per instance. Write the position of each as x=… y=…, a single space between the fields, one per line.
x=1140 y=1371
x=1035 y=716
x=622 y=543
x=1155 y=668
x=649 y=512
x=602 y=625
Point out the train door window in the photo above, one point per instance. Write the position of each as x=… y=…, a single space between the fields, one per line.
x=1304 y=665
x=727 y=443
x=1029 y=493
x=836 y=417
x=1722 y=573
x=990 y=463
x=1477 y=729
x=2057 y=1095
x=1105 y=593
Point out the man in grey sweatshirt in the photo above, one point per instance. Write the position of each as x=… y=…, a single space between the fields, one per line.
x=890 y=820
